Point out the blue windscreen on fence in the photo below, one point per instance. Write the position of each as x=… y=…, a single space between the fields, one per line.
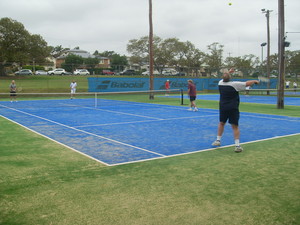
x=112 y=84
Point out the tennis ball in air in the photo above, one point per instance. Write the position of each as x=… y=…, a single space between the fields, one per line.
x=229 y=3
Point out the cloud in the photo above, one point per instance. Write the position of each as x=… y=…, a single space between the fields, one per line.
x=109 y=25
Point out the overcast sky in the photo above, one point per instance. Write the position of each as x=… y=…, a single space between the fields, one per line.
x=108 y=25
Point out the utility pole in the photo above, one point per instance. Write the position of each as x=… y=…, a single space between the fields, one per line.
x=281 y=46
x=151 y=96
x=267 y=12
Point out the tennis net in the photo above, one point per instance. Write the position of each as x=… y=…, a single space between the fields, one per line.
x=273 y=92
x=91 y=99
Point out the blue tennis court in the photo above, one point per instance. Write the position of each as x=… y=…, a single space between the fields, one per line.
x=125 y=133
x=256 y=99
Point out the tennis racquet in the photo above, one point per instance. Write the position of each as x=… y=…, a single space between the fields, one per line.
x=19 y=89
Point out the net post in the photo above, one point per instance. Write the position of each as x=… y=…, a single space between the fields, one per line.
x=181 y=96
x=95 y=99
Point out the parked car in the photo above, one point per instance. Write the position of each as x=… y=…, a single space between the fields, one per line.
x=180 y=74
x=58 y=71
x=128 y=72
x=108 y=72
x=81 y=72
x=147 y=73
x=41 y=72
x=169 y=72
x=23 y=72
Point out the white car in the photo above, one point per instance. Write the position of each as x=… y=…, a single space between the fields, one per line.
x=81 y=72
x=169 y=72
x=41 y=72
x=58 y=71
x=147 y=73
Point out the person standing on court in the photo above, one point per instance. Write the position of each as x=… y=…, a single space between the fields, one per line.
x=73 y=86
x=295 y=85
x=192 y=93
x=13 y=91
x=167 y=86
x=287 y=84
x=229 y=107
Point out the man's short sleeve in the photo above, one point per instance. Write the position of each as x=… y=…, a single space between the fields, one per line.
x=239 y=86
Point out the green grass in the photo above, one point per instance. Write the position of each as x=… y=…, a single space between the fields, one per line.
x=37 y=84
x=257 y=108
x=42 y=182
x=45 y=183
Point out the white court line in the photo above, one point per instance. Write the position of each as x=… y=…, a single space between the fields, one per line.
x=73 y=149
x=272 y=118
x=183 y=108
x=73 y=128
x=204 y=150
x=105 y=110
x=144 y=121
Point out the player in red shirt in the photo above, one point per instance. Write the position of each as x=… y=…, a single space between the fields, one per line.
x=167 y=86
x=192 y=92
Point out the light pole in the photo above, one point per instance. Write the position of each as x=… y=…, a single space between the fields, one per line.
x=262 y=51
x=267 y=12
x=262 y=56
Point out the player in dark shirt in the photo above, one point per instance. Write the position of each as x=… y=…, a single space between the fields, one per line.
x=229 y=107
x=13 y=91
x=192 y=93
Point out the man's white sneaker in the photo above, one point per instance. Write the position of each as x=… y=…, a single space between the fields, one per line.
x=238 y=149
x=216 y=143
x=190 y=109
x=196 y=109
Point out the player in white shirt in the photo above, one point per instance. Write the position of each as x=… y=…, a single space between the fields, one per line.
x=73 y=86
x=287 y=84
x=295 y=85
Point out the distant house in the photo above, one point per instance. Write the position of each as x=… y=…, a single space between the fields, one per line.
x=104 y=62
x=51 y=62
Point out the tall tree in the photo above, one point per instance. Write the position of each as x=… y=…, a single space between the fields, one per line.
x=139 y=48
x=107 y=54
x=38 y=48
x=170 y=52
x=58 y=50
x=293 y=63
x=244 y=64
x=17 y=45
x=118 y=62
x=193 y=57
x=214 y=57
x=72 y=62
x=13 y=41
